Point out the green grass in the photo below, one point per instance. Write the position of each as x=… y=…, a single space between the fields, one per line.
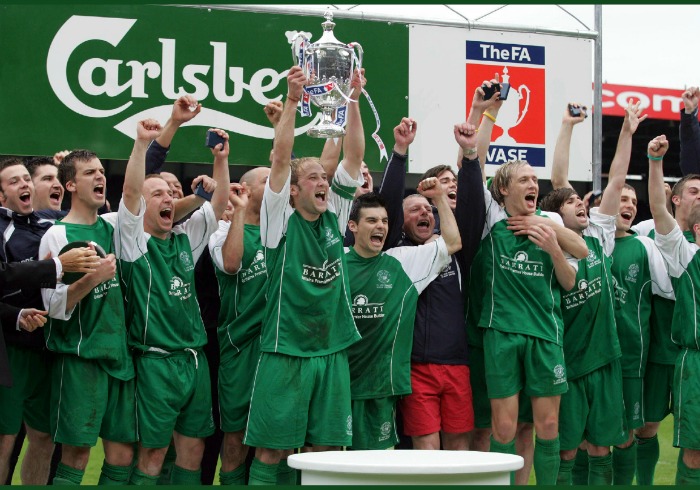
x=665 y=469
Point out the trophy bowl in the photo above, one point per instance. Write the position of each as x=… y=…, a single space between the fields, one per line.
x=329 y=65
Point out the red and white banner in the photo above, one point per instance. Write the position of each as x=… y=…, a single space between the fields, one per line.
x=659 y=103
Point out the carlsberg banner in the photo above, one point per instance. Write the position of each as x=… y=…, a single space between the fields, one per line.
x=81 y=76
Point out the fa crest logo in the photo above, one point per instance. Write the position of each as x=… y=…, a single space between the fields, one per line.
x=520 y=257
x=186 y=261
x=632 y=273
x=520 y=129
x=582 y=285
x=383 y=276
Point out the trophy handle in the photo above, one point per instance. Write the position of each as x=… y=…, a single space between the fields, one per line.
x=521 y=89
x=358 y=52
x=298 y=43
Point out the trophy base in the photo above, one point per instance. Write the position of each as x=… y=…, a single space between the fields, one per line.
x=328 y=130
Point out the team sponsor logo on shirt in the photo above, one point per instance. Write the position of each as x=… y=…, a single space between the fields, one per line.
x=179 y=288
x=559 y=374
x=321 y=275
x=448 y=271
x=348 y=425
x=521 y=265
x=385 y=431
x=331 y=238
x=592 y=259
x=632 y=273
x=256 y=269
x=362 y=309
x=586 y=290
x=384 y=278
x=102 y=289
x=186 y=261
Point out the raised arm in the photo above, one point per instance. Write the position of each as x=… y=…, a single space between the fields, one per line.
x=330 y=156
x=560 y=162
x=284 y=132
x=433 y=191
x=488 y=111
x=470 y=212
x=185 y=109
x=610 y=203
x=663 y=220
x=232 y=250
x=135 y=173
x=690 y=132
x=220 y=174
x=354 y=140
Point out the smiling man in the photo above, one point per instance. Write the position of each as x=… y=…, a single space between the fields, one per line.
x=385 y=288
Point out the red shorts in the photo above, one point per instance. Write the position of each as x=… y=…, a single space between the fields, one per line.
x=441 y=400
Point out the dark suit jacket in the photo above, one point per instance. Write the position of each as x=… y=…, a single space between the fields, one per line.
x=41 y=274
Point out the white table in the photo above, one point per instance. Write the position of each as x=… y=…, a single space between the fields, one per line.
x=405 y=467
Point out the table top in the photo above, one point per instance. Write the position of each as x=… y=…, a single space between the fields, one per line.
x=406 y=462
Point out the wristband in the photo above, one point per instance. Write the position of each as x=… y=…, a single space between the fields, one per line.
x=490 y=116
x=289 y=97
x=469 y=151
x=656 y=159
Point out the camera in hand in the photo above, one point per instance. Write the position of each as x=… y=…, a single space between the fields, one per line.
x=489 y=91
x=214 y=139
x=577 y=111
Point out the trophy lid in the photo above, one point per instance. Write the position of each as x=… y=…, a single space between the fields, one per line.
x=328 y=37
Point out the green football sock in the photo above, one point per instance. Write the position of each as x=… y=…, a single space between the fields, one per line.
x=601 y=470
x=65 y=475
x=579 y=475
x=166 y=471
x=507 y=448
x=182 y=476
x=114 y=475
x=546 y=461
x=233 y=477
x=647 y=457
x=262 y=473
x=624 y=463
x=685 y=475
x=285 y=474
x=565 y=467
x=138 y=477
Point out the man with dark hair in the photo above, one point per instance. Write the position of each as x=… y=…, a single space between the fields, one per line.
x=93 y=374
x=593 y=408
x=48 y=191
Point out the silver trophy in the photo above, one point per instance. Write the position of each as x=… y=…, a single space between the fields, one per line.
x=329 y=65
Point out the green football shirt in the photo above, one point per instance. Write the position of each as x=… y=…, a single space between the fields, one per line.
x=95 y=327
x=590 y=334
x=385 y=293
x=638 y=273
x=161 y=302
x=308 y=311
x=243 y=293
